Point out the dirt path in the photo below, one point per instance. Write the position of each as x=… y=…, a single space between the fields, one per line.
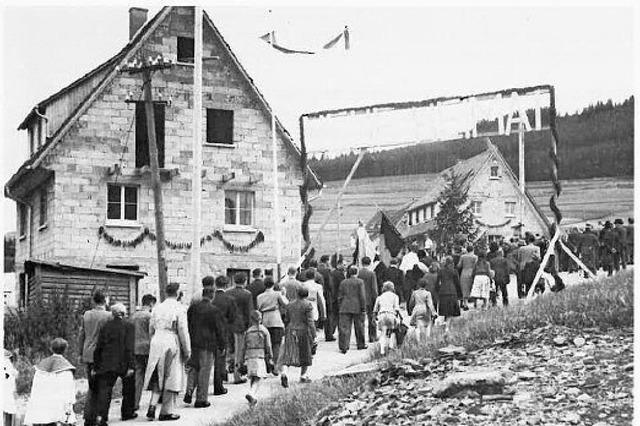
x=327 y=360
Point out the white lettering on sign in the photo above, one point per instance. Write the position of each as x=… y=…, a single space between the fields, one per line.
x=390 y=125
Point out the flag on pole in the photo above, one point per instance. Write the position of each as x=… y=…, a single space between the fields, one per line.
x=392 y=238
x=343 y=35
x=270 y=38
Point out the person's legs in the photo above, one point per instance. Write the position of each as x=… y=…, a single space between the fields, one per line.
x=238 y=340
x=104 y=384
x=204 y=375
x=303 y=372
x=358 y=325
x=192 y=376
x=371 y=325
x=168 y=402
x=219 y=372
x=384 y=340
x=128 y=407
x=91 y=398
x=329 y=324
x=276 y=339
x=344 y=331
x=505 y=295
x=230 y=355
x=141 y=368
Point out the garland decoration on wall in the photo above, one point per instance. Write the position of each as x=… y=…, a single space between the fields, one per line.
x=485 y=225
x=148 y=234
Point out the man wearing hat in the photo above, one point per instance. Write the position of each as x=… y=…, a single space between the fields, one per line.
x=620 y=256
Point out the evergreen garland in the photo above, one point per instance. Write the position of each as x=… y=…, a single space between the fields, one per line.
x=486 y=225
x=147 y=234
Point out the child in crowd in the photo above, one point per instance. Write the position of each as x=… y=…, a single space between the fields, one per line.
x=422 y=311
x=257 y=355
x=53 y=391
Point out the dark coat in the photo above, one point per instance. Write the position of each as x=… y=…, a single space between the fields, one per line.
x=370 y=286
x=114 y=350
x=256 y=288
x=448 y=283
x=227 y=308
x=244 y=305
x=500 y=266
x=351 y=296
x=206 y=326
x=381 y=272
x=337 y=276
x=328 y=286
x=396 y=276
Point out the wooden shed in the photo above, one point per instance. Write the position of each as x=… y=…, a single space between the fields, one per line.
x=46 y=278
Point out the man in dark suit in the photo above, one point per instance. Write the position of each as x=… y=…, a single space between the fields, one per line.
x=620 y=255
x=337 y=276
x=351 y=299
x=371 y=293
x=207 y=335
x=256 y=287
x=380 y=269
x=329 y=290
x=396 y=276
x=227 y=307
x=113 y=358
x=244 y=305
x=629 y=228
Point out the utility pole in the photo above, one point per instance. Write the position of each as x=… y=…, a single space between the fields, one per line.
x=147 y=69
x=196 y=177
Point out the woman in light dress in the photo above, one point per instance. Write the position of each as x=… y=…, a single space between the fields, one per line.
x=53 y=392
x=386 y=310
x=422 y=310
x=481 y=281
x=170 y=347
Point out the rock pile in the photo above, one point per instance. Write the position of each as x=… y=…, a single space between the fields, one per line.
x=547 y=376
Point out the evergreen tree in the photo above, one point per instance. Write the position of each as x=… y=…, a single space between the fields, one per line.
x=454 y=220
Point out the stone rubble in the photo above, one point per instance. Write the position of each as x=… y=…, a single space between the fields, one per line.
x=547 y=376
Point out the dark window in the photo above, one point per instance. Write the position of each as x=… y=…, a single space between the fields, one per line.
x=43 y=207
x=122 y=202
x=22 y=212
x=238 y=207
x=142 y=142
x=185 y=49
x=219 y=126
x=23 y=290
x=494 y=171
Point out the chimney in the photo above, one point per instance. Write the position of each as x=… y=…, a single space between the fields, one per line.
x=137 y=18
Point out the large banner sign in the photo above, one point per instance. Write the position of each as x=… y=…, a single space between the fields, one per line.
x=394 y=124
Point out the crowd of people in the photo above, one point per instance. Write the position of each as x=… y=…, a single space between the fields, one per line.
x=245 y=330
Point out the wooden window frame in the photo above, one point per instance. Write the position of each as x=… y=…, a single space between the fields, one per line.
x=121 y=221
x=476 y=211
x=236 y=225
x=44 y=209
x=506 y=207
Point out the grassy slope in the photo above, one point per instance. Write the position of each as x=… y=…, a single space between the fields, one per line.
x=604 y=304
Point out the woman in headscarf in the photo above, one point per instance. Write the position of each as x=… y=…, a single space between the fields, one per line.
x=386 y=309
x=449 y=291
x=170 y=347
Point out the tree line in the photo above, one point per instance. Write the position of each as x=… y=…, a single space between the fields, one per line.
x=595 y=142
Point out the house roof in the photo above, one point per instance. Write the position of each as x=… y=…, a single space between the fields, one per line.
x=472 y=166
x=111 y=68
x=29 y=264
x=373 y=225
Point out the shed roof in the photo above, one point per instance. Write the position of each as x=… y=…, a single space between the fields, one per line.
x=30 y=264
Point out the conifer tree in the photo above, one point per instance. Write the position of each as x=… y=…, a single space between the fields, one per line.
x=455 y=217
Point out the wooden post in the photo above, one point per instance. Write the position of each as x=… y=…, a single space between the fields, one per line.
x=338 y=246
x=521 y=178
x=340 y=194
x=276 y=199
x=196 y=177
x=155 y=181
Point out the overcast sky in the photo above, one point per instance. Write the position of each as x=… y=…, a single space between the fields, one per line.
x=398 y=53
